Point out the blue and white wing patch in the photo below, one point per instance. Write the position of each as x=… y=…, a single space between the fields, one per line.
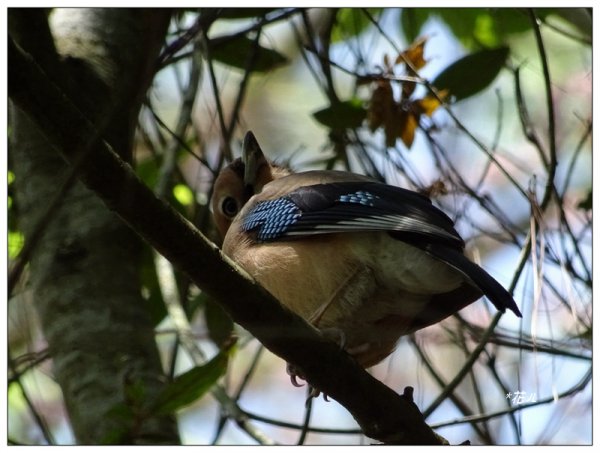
x=272 y=218
x=350 y=207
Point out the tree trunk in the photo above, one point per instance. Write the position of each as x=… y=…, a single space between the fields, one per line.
x=84 y=272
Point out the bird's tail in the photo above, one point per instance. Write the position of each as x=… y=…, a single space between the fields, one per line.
x=495 y=292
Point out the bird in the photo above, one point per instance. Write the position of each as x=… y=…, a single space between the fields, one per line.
x=362 y=261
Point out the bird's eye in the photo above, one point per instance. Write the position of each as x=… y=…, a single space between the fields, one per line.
x=229 y=207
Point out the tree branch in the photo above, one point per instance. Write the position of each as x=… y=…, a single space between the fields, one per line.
x=383 y=415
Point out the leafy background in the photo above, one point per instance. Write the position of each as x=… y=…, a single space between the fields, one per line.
x=479 y=92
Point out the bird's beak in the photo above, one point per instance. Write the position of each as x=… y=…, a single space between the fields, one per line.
x=253 y=158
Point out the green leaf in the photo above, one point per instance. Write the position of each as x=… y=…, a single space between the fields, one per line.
x=344 y=115
x=153 y=301
x=15 y=243
x=241 y=51
x=473 y=27
x=485 y=32
x=350 y=22
x=218 y=322
x=509 y=22
x=148 y=170
x=183 y=194
x=190 y=386
x=461 y=21
x=472 y=74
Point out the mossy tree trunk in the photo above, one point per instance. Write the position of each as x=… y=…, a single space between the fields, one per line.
x=84 y=272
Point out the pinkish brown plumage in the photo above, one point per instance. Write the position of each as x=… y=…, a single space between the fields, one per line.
x=350 y=255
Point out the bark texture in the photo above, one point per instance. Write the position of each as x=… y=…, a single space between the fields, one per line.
x=84 y=271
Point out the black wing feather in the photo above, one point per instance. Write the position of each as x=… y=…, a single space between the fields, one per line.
x=495 y=292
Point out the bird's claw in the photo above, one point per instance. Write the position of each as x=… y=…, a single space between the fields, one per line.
x=294 y=380
x=331 y=333
x=294 y=374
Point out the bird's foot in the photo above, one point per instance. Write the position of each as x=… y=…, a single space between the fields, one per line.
x=294 y=374
x=314 y=393
x=331 y=333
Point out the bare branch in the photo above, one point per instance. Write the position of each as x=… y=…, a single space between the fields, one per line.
x=385 y=415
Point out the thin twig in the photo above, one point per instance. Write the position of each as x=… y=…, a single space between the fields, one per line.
x=166 y=278
x=477 y=418
x=239 y=99
x=39 y=420
x=282 y=424
x=552 y=163
x=25 y=363
x=169 y=161
x=307 y=414
x=456 y=400
x=579 y=38
x=491 y=363
x=465 y=369
x=245 y=381
x=217 y=96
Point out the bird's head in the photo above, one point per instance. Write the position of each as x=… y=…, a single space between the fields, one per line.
x=240 y=180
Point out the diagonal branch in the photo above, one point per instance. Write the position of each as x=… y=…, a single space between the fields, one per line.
x=383 y=415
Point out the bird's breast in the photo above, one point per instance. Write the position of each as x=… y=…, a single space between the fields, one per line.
x=368 y=285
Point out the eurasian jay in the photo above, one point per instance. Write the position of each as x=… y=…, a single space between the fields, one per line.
x=367 y=261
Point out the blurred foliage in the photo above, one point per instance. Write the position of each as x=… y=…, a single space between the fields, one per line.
x=147 y=170
x=487 y=27
x=191 y=385
x=390 y=103
x=218 y=323
x=183 y=194
x=347 y=114
x=15 y=239
x=15 y=243
x=151 y=289
x=246 y=54
x=472 y=73
x=351 y=22
x=400 y=118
